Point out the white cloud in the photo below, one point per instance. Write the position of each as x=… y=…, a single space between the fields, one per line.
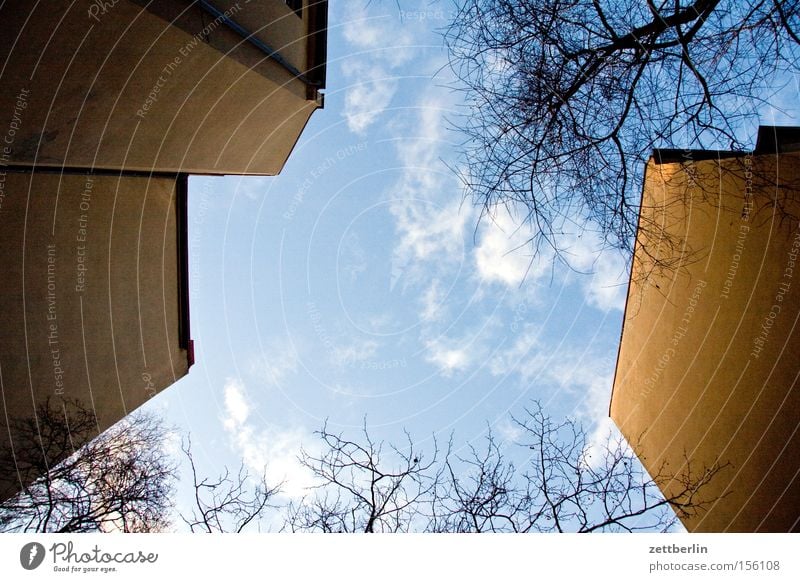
x=381 y=322
x=370 y=32
x=424 y=139
x=427 y=231
x=277 y=362
x=605 y=276
x=580 y=373
x=431 y=227
x=253 y=187
x=237 y=409
x=431 y=223
x=352 y=256
x=264 y=446
x=609 y=285
x=456 y=352
x=353 y=351
x=584 y=376
x=361 y=30
x=524 y=357
x=509 y=431
x=380 y=49
x=503 y=254
x=369 y=96
x=447 y=358
x=593 y=380
x=432 y=302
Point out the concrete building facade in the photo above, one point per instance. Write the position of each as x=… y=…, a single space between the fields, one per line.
x=169 y=85
x=708 y=364
x=107 y=108
x=94 y=298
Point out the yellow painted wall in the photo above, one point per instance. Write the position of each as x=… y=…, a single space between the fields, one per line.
x=710 y=352
x=125 y=89
x=90 y=307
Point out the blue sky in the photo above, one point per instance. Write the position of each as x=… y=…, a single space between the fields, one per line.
x=359 y=284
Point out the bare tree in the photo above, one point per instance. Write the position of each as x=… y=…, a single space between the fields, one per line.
x=364 y=486
x=568 y=98
x=229 y=503
x=563 y=484
x=119 y=480
x=479 y=493
x=123 y=480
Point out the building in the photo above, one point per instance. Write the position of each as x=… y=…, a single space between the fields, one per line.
x=168 y=85
x=95 y=303
x=108 y=107
x=708 y=364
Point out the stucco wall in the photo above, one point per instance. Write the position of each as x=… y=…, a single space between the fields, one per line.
x=708 y=363
x=90 y=293
x=122 y=88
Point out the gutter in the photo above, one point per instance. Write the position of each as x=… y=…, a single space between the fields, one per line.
x=258 y=43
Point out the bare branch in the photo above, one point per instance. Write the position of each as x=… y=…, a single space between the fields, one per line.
x=119 y=480
x=228 y=503
x=566 y=99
